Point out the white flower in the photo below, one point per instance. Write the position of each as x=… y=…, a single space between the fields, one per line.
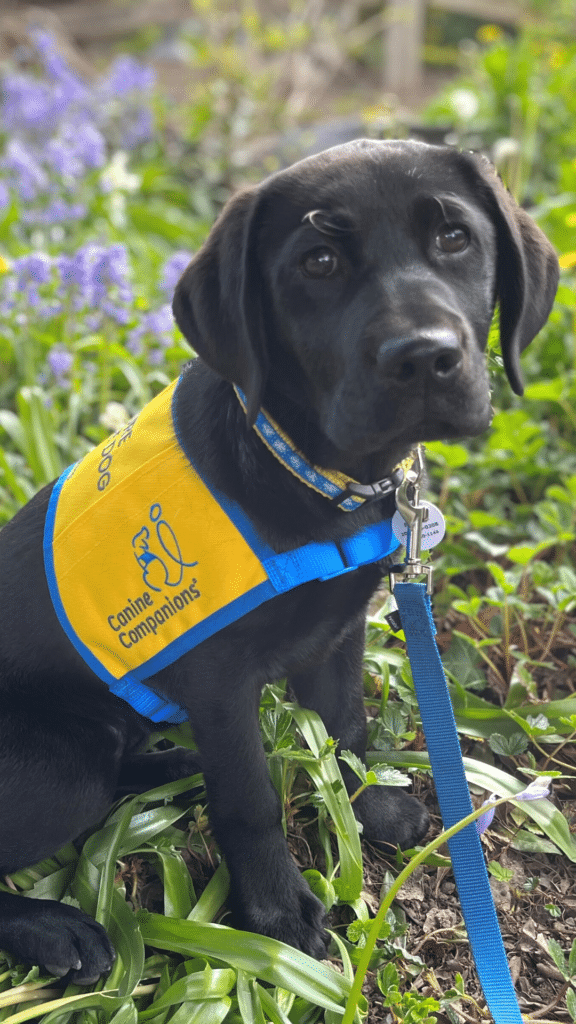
x=116 y=176
x=114 y=416
x=465 y=103
x=503 y=150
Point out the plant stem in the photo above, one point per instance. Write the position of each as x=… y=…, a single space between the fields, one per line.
x=363 y=963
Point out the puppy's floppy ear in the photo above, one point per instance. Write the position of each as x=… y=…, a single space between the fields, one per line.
x=218 y=301
x=527 y=270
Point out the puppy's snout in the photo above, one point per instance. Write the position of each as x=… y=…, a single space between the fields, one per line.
x=432 y=355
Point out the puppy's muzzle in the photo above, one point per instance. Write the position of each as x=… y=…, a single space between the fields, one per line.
x=430 y=356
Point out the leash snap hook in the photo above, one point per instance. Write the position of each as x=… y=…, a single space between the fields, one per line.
x=415 y=514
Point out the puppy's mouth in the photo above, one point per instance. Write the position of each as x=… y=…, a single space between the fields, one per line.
x=363 y=432
x=471 y=425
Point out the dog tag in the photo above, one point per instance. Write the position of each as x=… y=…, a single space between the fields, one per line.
x=433 y=529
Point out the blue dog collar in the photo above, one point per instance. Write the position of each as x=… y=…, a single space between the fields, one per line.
x=347 y=493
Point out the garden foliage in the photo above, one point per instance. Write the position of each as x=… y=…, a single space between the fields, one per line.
x=96 y=223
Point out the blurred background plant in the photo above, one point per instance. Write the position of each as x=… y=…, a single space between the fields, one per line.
x=108 y=183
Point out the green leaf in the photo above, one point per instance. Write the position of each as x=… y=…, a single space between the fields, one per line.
x=178 y=891
x=321 y=887
x=527 y=842
x=508 y=746
x=248 y=1000
x=127 y=1014
x=202 y=985
x=572 y=960
x=328 y=780
x=56 y=1009
x=546 y=390
x=557 y=954
x=210 y=1011
x=500 y=873
x=571 y=1003
x=261 y=957
x=357 y=766
x=213 y=896
x=271 y=1007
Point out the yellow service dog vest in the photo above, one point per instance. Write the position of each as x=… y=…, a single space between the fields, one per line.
x=144 y=559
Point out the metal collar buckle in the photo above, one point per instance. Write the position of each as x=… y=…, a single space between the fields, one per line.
x=414 y=514
x=379 y=488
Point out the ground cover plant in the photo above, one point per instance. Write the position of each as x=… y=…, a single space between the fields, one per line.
x=96 y=222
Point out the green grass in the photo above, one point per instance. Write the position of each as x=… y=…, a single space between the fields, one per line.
x=505 y=598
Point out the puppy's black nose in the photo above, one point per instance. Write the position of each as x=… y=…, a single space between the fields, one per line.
x=433 y=354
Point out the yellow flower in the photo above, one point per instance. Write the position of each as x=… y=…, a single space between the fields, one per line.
x=568 y=260
x=557 y=58
x=4 y=265
x=489 y=34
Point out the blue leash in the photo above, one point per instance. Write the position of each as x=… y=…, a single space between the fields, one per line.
x=468 y=864
x=465 y=848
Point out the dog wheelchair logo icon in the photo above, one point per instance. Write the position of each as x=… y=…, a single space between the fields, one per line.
x=158 y=553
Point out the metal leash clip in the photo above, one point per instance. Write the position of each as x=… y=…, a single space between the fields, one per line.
x=414 y=515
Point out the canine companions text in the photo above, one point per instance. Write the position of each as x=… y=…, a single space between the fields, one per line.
x=349 y=298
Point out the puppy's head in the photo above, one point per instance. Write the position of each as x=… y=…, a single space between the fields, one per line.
x=361 y=283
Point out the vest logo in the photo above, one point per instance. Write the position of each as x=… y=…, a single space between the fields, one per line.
x=160 y=558
x=141 y=558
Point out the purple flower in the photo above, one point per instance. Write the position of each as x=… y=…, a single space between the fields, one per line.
x=158 y=326
x=36 y=267
x=4 y=196
x=172 y=270
x=537 y=790
x=134 y=340
x=486 y=820
x=136 y=126
x=92 y=272
x=60 y=363
x=27 y=104
x=75 y=149
x=28 y=176
x=57 y=212
x=161 y=324
x=127 y=75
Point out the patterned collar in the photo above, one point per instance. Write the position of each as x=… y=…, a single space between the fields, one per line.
x=339 y=488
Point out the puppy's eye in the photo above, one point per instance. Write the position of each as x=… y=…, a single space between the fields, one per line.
x=321 y=262
x=453 y=239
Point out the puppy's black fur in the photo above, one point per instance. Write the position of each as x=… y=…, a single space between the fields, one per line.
x=361 y=330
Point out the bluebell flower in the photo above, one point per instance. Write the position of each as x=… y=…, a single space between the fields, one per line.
x=28 y=176
x=137 y=127
x=36 y=267
x=4 y=196
x=60 y=362
x=28 y=104
x=75 y=149
x=97 y=277
x=172 y=271
x=158 y=327
x=127 y=75
x=161 y=324
x=538 y=789
x=58 y=211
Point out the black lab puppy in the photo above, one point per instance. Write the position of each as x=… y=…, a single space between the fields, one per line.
x=349 y=297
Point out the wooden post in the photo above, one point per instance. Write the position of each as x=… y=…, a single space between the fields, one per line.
x=403 y=41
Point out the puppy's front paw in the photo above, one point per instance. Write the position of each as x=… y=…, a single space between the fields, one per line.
x=282 y=906
x=391 y=816
x=64 y=940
